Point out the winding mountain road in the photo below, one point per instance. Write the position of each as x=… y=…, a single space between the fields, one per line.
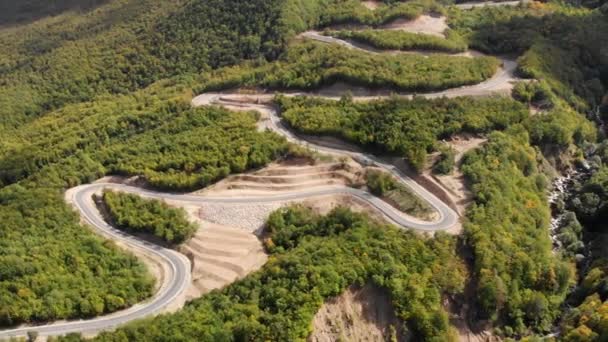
x=177 y=267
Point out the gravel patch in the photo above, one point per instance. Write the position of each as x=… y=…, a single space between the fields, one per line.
x=249 y=217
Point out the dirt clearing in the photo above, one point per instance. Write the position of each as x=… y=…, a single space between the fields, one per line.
x=455 y=184
x=359 y=314
x=425 y=24
x=372 y=5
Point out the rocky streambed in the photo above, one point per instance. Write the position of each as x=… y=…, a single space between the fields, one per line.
x=563 y=188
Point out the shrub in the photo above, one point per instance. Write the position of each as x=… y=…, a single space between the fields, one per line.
x=446 y=161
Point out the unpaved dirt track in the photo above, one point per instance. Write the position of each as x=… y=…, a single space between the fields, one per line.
x=470 y=5
x=177 y=267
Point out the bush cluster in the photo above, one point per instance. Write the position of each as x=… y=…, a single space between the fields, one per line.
x=138 y=215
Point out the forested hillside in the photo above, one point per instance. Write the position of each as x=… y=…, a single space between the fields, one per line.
x=520 y=283
x=312 y=65
x=563 y=48
x=72 y=58
x=92 y=88
x=42 y=156
x=126 y=45
x=140 y=134
x=52 y=140
x=314 y=258
x=562 y=45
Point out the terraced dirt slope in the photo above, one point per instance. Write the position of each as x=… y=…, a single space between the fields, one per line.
x=226 y=247
x=286 y=177
x=358 y=314
x=220 y=255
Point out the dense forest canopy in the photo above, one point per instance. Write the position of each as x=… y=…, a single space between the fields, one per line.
x=52 y=268
x=126 y=45
x=520 y=283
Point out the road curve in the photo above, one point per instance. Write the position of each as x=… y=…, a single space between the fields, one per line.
x=175 y=281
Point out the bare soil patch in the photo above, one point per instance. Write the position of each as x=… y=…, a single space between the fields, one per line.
x=244 y=217
x=359 y=314
x=220 y=255
x=288 y=177
x=372 y=5
x=455 y=184
x=425 y=24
